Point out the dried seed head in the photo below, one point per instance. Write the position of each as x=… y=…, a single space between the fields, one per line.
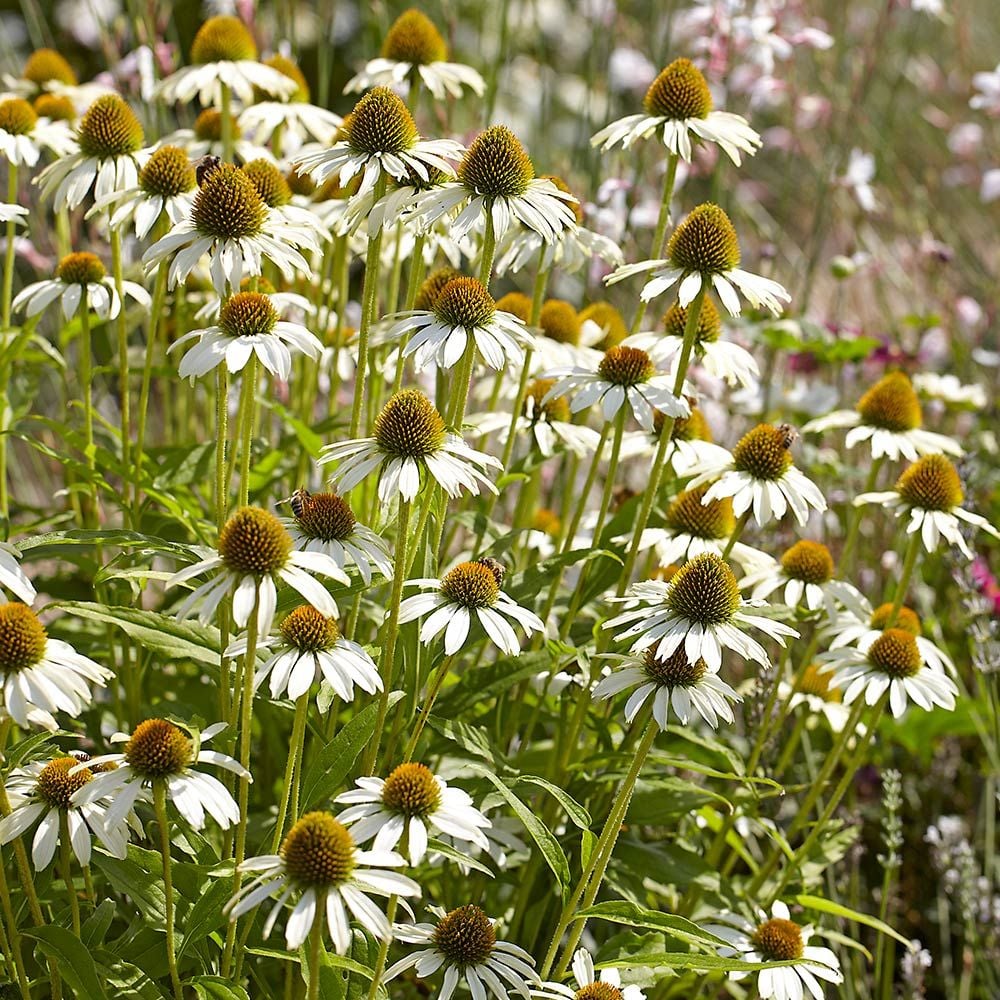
x=81 y=268
x=307 y=629
x=675 y=670
x=411 y=790
x=560 y=322
x=931 y=483
x=689 y=515
x=326 y=516
x=891 y=403
x=57 y=786
x=709 y=322
x=270 y=183
x=626 y=366
x=556 y=408
x=380 y=123
x=464 y=302
x=432 y=285
x=46 y=65
x=906 y=619
x=318 y=851
x=678 y=93
x=286 y=67
x=465 y=936
x=168 y=172
x=17 y=116
x=254 y=542
x=471 y=584
x=895 y=653
x=223 y=39
x=55 y=107
x=496 y=165
x=705 y=591
x=109 y=127
x=414 y=39
x=157 y=749
x=705 y=242
x=814 y=681
x=22 y=637
x=763 y=452
x=409 y=425
x=778 y=940
x=808 y=561
x=228 y=205
x=248 y=314
x=610 y=320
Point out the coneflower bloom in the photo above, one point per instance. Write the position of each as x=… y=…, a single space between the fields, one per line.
x=699 y=611
x=413 y=50
x=464 y=943
x=589 y=985
x=321 y=870
x=463 y=310
x=812 y=689
x=42 y=675
x=158 y=750
x=464 y=594
x=930 y=493
x=307 y=649
x=41 y=793
x=24 y=135
x=248 y=325
x=704 y=253
x=410 y=442
x=760 y=476
x=691 y=443
x=673 y=683
x=108 y=158
x=224 y=54
x=12 y=576
x=254 y=554
x=623 y=375
x=415 y=803
x=496 y=178
x=379 y=138
x=13 y=213
x=889 y=418
x=204 y=138
x=679 y=105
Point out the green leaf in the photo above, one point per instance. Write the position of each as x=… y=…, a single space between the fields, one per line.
x=333 y=763
x=459 y=857
x=206 y=915
x=33 y=747
x=822 y=905
x=137 y=881
x=703 y=963
x=623 y=912
x=95 y=927
x=578 y=816
x=472 y=739
x=657 y=801
x=217 y=988
x=74 y=961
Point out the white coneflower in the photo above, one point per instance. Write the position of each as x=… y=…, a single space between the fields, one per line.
x=704 y=253
x=248 y=325
x=414 y=803
x=468 y=592
x=623 y=375
x=379 y=139
x=777 y=938
x=230 y=222
x=13 y=213
x=949 y=390
x=158 y=750
x=566 y=338
x=325 y=522
x=464 y=943
x=24 y=134
x=413 y=50
x=275 y=191
x=691 y=442
x=673 y=682
x=410 y=442
x=496 y=178
x=700 y=611
x=930 y=493
x=43 y=69
x=463 y=310
x=42 y=675
x=309 y=648
x=320 y=868
x=166 y=189
x=679 y=104
x=889 y=661
x=760 y=476
x=255 y=552
x=718 y=357
x=78 y=275
x=805 y=576
x=589 y=985
x=888 y=417
x=12 y=576
x=42 y=793
x=223 y=53
x=108 y=158
x=205 y=138
x=812 y=689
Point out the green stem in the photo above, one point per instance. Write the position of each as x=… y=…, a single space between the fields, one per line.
x=488 y=250
x=160 y=807
x=66 y=864
x=660 y=236
x=221 y=437
x=909 y=562
x=246 y=427
x=430 y=698
x=9 y=256
x=226 y=122
x=294 y=755
x=87 y=389
x=123 y=373
x=741 y=523
x=383 y=950
x=315 y=941
x=857 y=514
x=13 y=935
x=413 y=282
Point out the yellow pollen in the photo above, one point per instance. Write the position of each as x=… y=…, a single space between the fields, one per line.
x=22 y=637
x=471 y=584
x=560 y=322
x=414 y=39
x=57 y=786
x=714 y=520
x=895 y=653
x=891 y=403
x=307 y=629
x=46 y=65
x=17 y=116
x=81 y=268
x=626 y=366
x=763 y=452
x=778 y=940
x=223 y=39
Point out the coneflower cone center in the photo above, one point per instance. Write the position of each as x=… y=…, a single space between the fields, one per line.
x=471 y=584
x=380 y=123
x=248 y=314
x=432 y=286
x=906 y=619
x=704 y=590
x=228 y=205
x=327 y=516
x=689 y=515
x=892 y=404
x=679 y=92
x=560 y=322
x=496 y=165
x=709 y=322
x=168 y=172
x=309 y=630
x=57 y=786
x=895 y=653
x=109 y=127
x=46 y=65
x=464 y=302
x=411 y=790
x=626 y=366
x=763 y=452
x=465 y=936
x=556 y=408
x=705 y=242
x=675 y=670
x=778 y=940
x=269 y=182
x=610 y=321
x=409 y=425
x=817 y=683
x=223 y=39
x=318 y=851
x=931 y=483
x=17 y=116
x=81 y=268
x=158 y=748
x=808 y=561
x=22 y=637
x=254 y=542
x=413 y=38
x=598 y=991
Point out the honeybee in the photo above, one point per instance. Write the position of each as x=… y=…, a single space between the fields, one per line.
x=297 y=501
x=204 y=167
x=789 y=435
x=496 y=567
